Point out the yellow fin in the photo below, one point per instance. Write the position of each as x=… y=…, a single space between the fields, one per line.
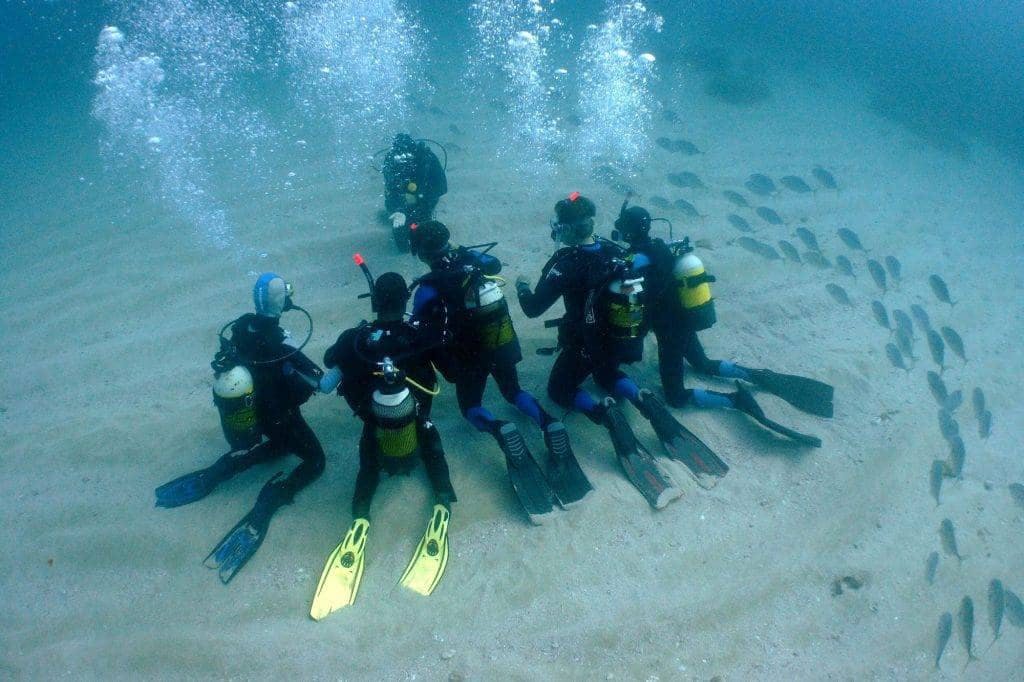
x=428 y=563
x=342 y=574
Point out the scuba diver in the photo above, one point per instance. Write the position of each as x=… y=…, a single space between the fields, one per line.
x=258 y=389
x=462 y=295
x=388 y=381
x=599 y=332
x=680 y=305
x=414 y=181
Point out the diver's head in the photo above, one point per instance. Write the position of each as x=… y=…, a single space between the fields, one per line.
x=390 y=294
x=403 y=142
x=574 y=220
x=429 y=240
x=632 y=225
x=271 y=295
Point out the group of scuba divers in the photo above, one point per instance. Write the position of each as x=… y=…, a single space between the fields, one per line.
x=461 y=327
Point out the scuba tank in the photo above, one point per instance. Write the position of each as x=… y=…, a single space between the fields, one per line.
x=693 y=287
x=488 y=315
x=624 y=307
x=394 y=417
x=233 y=395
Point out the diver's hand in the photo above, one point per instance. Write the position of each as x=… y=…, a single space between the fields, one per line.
x=397 y=219
x=522 y=284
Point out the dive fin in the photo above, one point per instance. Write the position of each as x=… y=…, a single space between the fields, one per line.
x=342 y=574
x=681 y=444
x=809 y=395
x=567 y=479
x=640 y=467
x=528 y=482
x=428 y=563
x=237 y=547
x=745 y=403
x=196 y=485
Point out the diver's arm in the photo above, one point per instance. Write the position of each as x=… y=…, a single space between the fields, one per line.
x=549 y=289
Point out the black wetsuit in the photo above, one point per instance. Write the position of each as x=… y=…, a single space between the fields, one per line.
x=416 y=164
x=579 y=275
x=356 y=353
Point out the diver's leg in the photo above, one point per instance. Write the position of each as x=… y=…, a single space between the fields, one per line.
x=368 y=477
x=432 y=453
x=507 y=378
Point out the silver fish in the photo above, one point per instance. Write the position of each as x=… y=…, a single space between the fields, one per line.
x=905 y=343
x=947 y=425
x=759 y=248
x=850 y=238
x=942 y=635
x=807 y=237
x=739 y=223
x=659 y=202
x=935 y=476
x=838 y=293
x=985 y=425
x=965 y=619
x=769 y=216
x=954 y=341
x=685 y=147
x=947 y=533
x=903 y=322
x=921 y=317
x=978 y=401
x=940 y=289
x=1017 y=493
x=996 y=606
x=824 y=177
x=957 y=456
x=877 y=274
x=930 y=567
x=894 y=267
x=938 y=388
x=687 y=209
x=844 y=265
x=760 y=184
x=685 y=179
x=664 y=143
x=1014 y=608
x=795 y=183
x=735 y=198
x=881 y=316
x=937 y=348
x=894 y=357
x=954 y=400
x=670 y=116
x=789 y=251
x=816 y=259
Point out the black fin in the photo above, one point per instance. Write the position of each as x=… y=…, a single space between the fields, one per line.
x=564 y=474
x=640 y=467
x=528 y=482
x=681 y=444
x=747 y=404
x=809 y=395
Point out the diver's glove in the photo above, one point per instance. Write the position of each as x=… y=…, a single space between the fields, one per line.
x=397 y=219
x=522 y=285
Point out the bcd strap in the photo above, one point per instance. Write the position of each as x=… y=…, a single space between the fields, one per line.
x=697 y=280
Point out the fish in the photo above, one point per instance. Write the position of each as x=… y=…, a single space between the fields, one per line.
x=930 y=567
x=838 y=293
x=935 y=481
x=739 y=223
x=947 y=425
x=789 y=251
x=957 y=455
x=965 y=619
x=850 y=238
x=816 y=259
x=937 y=348
x=954 y=341
x=844 y=266
x=895 y=359
x=685 y=179
x=942 y=635
x=938 y=388
x=996 y=606
x=1017 y=493
x=1014 y=608
x=769 y=216
x=659 y=202
x=904 y=343
x=759 y=248
x=704 y=244
x=940 y=289
x=894 y=267
x=760 y=184
x=735 y=198
x=985 y=425
x=664 y=143
x=947 y=533
x=807 y=237
x=687 y=209
x=921 y=317
x=978 y=401
x=670 y=116
x=881 y=316
x=954 y=400
x=795 y=183
x=824 y=177
x=685 y=147
x=902 y=321
x=877 y=274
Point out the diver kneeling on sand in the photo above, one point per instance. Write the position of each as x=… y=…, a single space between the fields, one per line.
x=603 y=297
x=388 y=381
x=414 y=181
x=680 y=305
x=462 y=296
x=258 y=389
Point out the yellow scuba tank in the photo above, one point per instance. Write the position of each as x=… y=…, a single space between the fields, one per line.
x=394 y=417
x=693 y=288
x=624 y=307
x=233 y=395
x=487 y=310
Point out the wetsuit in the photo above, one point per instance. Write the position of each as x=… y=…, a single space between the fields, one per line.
x=413 y=164
x=357 y=353
x=483 y=341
